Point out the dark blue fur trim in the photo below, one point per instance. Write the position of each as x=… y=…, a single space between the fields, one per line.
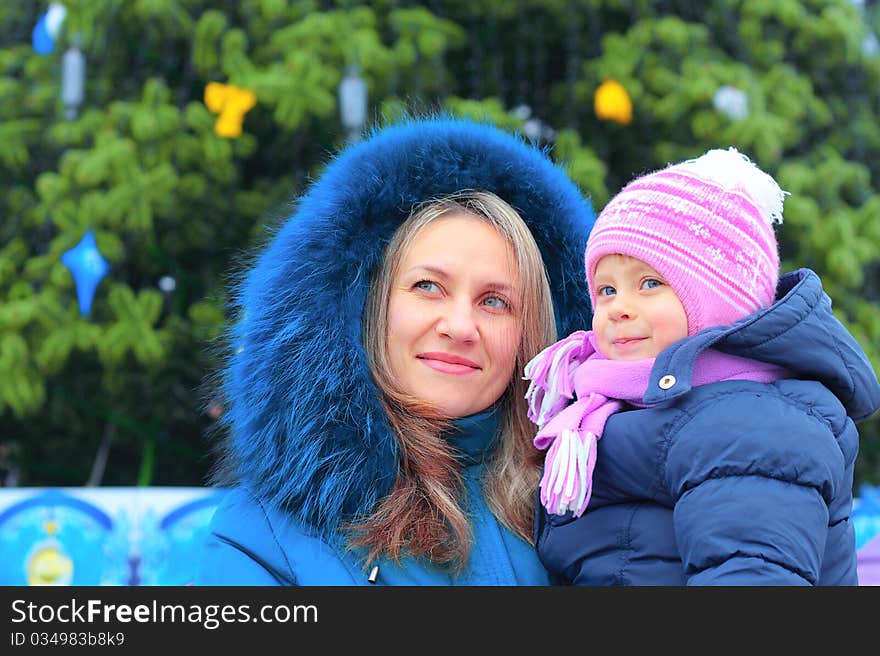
x=308 y=432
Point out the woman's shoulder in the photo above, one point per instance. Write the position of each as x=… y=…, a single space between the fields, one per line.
x=245 y=532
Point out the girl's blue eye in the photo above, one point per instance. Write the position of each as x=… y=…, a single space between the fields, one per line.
x=608 y=290
x=651 y=283
x=426 y=285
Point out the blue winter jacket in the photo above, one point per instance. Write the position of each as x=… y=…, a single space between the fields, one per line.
x=252 y=544
x=309 y=447
x=731 y=483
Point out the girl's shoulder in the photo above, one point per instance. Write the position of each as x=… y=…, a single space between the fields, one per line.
x=798 y=400
x=790 y=430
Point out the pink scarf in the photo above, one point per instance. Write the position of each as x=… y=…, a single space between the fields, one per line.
x=573 y=391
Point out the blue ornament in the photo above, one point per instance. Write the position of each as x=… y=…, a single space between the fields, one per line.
x=88 y=267
x=44 y=44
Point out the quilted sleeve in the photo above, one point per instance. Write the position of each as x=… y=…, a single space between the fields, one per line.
x=752 y=475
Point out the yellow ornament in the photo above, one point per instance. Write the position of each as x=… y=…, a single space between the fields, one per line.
x=49 y=566
x=612 y=102
x=232 y=103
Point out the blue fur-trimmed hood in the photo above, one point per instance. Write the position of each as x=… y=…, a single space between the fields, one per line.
x=307 y=430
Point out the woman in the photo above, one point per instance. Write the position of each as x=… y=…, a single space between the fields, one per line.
x=377 y=428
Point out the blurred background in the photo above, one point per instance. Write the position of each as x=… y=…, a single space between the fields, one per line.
x=147 y=147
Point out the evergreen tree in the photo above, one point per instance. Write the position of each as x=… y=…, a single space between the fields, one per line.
x=177 y=208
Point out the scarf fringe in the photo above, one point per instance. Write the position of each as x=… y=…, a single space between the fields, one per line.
x=568 y=477
x=551 y=373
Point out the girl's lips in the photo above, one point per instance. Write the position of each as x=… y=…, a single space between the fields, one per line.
x=626 y=341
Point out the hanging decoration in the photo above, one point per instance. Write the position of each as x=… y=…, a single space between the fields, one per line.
x=88 y=267
x=870 y=45
x=533 y=128
x=73 y=79
x=731 y=102
x=232 y=103
x=353 y=103
x=612 y=103
x=167 y=284
x=48 y=26
x=522 y=111
x=43 y=43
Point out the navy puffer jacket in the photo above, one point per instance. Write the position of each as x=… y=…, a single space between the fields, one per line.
x=736 y=482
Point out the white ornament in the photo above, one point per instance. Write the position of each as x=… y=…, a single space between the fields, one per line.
x=54 y=17
x=731 y=101
x=167 y=284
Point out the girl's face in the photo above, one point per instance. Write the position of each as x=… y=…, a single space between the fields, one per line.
x=454 y=324
x=636 y=313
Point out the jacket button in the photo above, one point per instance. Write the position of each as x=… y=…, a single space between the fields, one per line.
x=667 y=381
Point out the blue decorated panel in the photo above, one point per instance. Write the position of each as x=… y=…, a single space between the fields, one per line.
x=103 y=536
x=153 y=535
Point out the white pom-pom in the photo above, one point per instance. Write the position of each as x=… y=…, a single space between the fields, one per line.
x=733 y=170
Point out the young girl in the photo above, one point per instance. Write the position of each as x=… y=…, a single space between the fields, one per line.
x=703 y=432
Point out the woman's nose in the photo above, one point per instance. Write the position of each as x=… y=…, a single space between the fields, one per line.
x=457 y=322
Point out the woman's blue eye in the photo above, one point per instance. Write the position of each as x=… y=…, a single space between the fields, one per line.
x=426 y=285
x=651 y=283
x=608 y=290
x=496 y=302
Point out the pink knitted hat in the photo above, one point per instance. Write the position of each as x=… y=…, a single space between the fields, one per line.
x=706 y=226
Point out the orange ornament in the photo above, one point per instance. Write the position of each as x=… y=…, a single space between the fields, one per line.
x=612 y=102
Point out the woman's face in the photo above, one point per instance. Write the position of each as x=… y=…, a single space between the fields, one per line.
x=453 y=316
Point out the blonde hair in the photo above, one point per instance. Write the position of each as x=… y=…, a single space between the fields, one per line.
x=422 y=515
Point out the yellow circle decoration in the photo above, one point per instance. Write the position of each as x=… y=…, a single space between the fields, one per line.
x=612 y=102
x=49 y=566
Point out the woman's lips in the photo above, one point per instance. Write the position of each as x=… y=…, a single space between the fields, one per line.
x=448 y=364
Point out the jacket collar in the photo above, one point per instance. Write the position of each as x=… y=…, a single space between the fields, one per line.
x=475 y=436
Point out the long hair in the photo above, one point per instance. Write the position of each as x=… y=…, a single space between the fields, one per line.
x=422 y=515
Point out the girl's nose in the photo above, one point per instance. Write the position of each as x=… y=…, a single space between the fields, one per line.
x=620 y=309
